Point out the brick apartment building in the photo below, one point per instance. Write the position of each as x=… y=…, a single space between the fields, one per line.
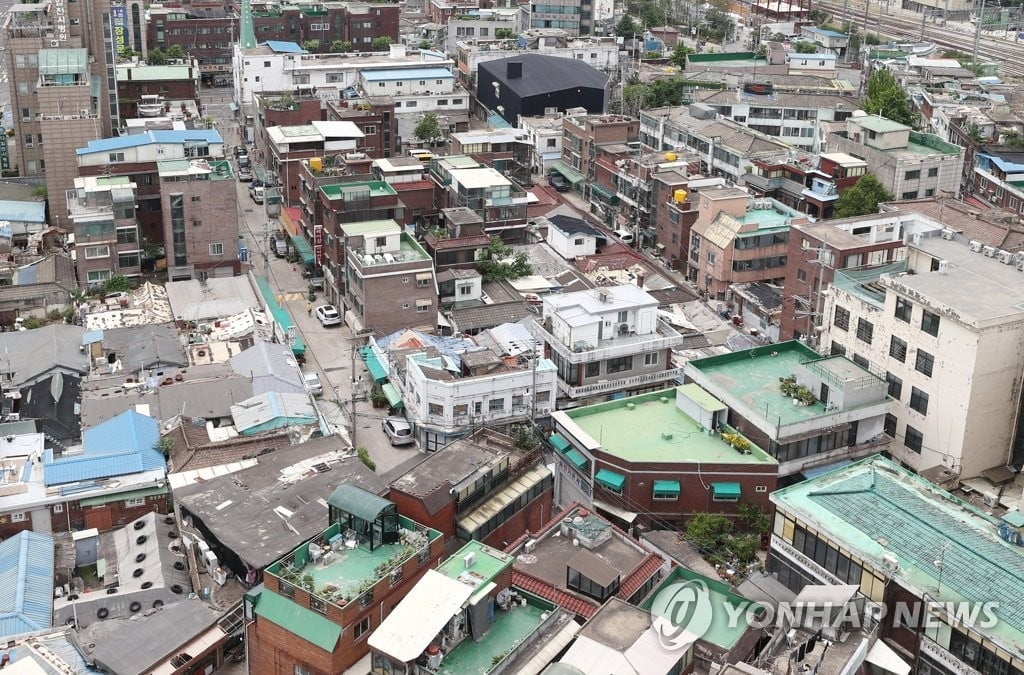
x=581 y=134
x=480 y=487
x=375 y=117
x=200 y=212
x=173 y=82
x=318 y=623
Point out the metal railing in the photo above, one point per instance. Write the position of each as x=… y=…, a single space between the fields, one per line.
x=625 y=382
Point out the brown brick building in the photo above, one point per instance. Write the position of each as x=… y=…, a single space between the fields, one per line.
x=172 y=82
x=472 y=489
x=320 y=603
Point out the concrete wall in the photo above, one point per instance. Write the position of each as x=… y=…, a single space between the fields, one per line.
x=567 y=246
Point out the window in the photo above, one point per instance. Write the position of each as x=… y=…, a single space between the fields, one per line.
x=422 y=280
x=466 y=289
x=317 y=605
x=58 y=508
x=135 y=501
x=666 y=490
x=801 y=275
x=912 y=194
x=651 y=359
x=405 y=305
x=930 y=323
x=895 y=385
x=381 y=242
x=369 y=129
x=363 y=627
x=912 y=175
x=435 y=409
x=897 y=349
x=423 y=305
x=620 y=364
x=865 y=330
x=461 y=410
x=552 y=142
x=411 y=104
x=92 y=252
x=216 y=249
x=837 y=349
x=925 y=362
x=903 y=309
x=622 y=317
x=919 y=400
x=890 y=425
x=933 y=172
x=116 y=157
x=28 y=140
x=18 y=517
x=593 y=369
x=405 y=280
x=302 y=670
x=914 y=439
x=478 y=407
x=842 y=318
x=96 y=276
x=860 y=361
x=496 y=405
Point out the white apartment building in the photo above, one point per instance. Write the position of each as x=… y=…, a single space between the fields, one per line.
x=544 y=134
x=481 y=23
x=791 y=118
x=444 y=404
x=329 y=136
x=151 y=146
x=602 y=53
x=909 y=164
x=607 y=340
x=945 y=327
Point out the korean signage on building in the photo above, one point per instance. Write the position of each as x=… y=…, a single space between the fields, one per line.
x=119 y=25
x=5 y=154
x=318 y=243
x=60 y=23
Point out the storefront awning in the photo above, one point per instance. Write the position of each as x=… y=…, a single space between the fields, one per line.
x=610 y=479
x=578 y=460
x=622 y=514
x=377 y=371
x=570 y=174
x=666 y=487
x=604 y=193
x=303 y=248
x=394 y=398
x=559 y=443
x=725 y=490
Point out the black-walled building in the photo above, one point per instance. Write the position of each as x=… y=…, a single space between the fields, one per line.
x=530 y=83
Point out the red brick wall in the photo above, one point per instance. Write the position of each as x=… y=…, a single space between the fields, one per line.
x=128 y=93
x=531 y=519
x=119 y=513
x=9 y=529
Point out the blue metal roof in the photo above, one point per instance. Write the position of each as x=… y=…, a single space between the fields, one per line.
x=128 y=432
x=92 y=336
x=406 y=74
x=26 y=584
x=282 y=47
x=1004 y=165
x=158 y=136
x=87 y=467
x=22 y=212
x=821 y=31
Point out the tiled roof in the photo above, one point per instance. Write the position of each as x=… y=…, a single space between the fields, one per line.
x=564 y=599
x=26 y=584
x=638 y=577
x=192 y=448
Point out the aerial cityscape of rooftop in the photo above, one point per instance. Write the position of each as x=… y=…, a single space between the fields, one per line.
x=457 y=337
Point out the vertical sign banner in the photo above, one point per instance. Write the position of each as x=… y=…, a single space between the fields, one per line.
x=119 y=22
x=318 y=243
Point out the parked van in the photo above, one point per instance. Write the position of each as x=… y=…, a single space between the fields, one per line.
x=258 y=193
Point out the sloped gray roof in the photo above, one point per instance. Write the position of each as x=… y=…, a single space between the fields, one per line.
x=147 y=346
x=31 y=354
x=272 y=367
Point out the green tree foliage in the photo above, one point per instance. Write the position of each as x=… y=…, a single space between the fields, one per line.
x=364 y=456
x=637 y=95
x=428 y=129
x=425 y=44
x=175 y=52
x=311 y=45
x=380 y=44
x=862 y=198
x=341 y=47
x=708 y=531
x=504 y=34
x=679 y=55
x=885 y=97
x=805 y=48
x=117 y=284
x=755 y=519
x=626 y=27
x=156 y=57
x=502 y=262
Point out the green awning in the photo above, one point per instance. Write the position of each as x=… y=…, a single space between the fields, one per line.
x=570 y=174
x=666 y=487
x=296 y=619
x=394 y=398
x=303 y=249
x=610 y=479
x=578 y=460
x=604 y=193
x=118 y=496
x=377 y=371
x=559 y=443
x=725 y=490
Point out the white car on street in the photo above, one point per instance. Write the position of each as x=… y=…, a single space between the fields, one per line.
x=328 y=315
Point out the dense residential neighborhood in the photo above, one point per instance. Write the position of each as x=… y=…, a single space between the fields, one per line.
x=458 y=337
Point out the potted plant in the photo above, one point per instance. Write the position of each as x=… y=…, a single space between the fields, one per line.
x=803 y=396
x=788 y=386
x=377 y=397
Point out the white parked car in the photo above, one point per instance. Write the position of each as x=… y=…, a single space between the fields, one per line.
x=398 y=431
x=328 y=315
x=313 y=385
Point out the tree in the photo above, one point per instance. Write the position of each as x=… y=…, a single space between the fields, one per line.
x=428 y=129
x=117 y=284
x=175 y=52
x=504 y=34
x=380 y=44
x=341 y=47
x=501 y=262
x=862 y=198
x=156 y=57
x=626 y=27
x=708 y=531
x=805 y=48
x=311 y=45
x=425 y=44
x=885 y=97
x=679 y=54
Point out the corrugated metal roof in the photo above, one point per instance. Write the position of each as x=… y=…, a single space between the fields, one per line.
x=157 y=136
x=26 y=583
x=22 y=212
x=296 y=619
x=128 y=432
x=282 y=47
x=356 y=501
x=88 y=467
x=406 y=74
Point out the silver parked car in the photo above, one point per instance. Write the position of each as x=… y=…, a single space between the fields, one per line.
x=398 y=431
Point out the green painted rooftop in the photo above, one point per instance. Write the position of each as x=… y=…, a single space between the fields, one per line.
x=509 y=629
x=487 y=563
x=752 y=377
x=348 y=191
x=874 y=508
x=766 y=219
x=638 y=434
x=723 y=605
x=144 y=73
x=305 y=623
x=879 y=124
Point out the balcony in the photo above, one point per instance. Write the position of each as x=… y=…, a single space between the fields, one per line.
x=664 y=337
x=603 y=387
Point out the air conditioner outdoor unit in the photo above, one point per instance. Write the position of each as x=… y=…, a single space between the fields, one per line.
x=948 y=233
x=530 y=545
x=891 y=562
x=975 y=246
x=991 y=500
x=989 y=251
x=943 y=266
x=1020 y=264
x=1005 y=257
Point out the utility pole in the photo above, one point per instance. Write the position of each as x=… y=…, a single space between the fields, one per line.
x=924 y=17
x=977 y=33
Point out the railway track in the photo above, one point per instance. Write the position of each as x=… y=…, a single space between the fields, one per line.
x=1008 y=54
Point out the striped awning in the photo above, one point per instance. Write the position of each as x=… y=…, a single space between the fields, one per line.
x=394 y=398
x=377 y=371
x=570 y=174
